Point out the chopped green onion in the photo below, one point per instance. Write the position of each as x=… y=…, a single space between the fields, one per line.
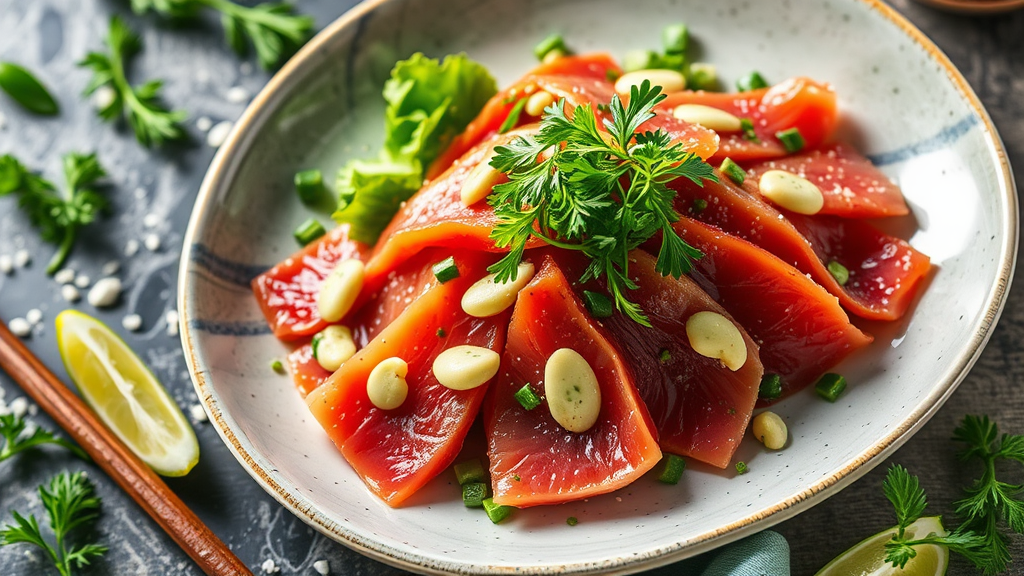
x=791 y=139
x=473 y=494
x=513 y=116
x=639 y=60
x=308 y=231
x=446 y=270
x=441 y=333
x=26 y=90
x=309 y=184
x=572 y=521
x=676 y=38
x=516 y=477
x=612 y=75
x=550 y=44
x=597 y=304
x=277 y=366
x=830 y=386
x=664 y=356
x=733 y=171
x=771 y=387
x=470 y=471
x=673 y=469
x=527 y=397
x=670 y=62
x=741 y=468
x=702 y=77
x=699 y=205
x=752 y=81
x=496 y=512
x=839 y=272
x=747 y=125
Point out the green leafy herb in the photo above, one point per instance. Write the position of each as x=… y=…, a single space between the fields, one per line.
x=553 y=43
x=57 y=216
x=770 y=387
x=152 y=123
x=741 y=468
x=752 y=81
x=601 y=197
x=429 y=103
x=908 y=500
x=27 y=90
x=272 y=28
x=15 y=439
x=70 y=504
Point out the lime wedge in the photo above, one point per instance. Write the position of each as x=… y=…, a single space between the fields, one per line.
x=126 y=395
x=868 y=557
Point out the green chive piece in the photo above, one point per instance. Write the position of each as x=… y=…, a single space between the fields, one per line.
x=496 y=512
x=470 y=471
x=771 y=387
x=315 y=344
x=27 y=90
x=527 y=397
x=733 y=171
x=308 y=231
x=830 y=386
x=839 y=272
x=791 y=139
x=702 y=77
x=516 y=477
x=612 y=75
x=277 y=366
x=670 y=62
x=639 y=60
x=572 y=521
x=513 y=116
x=599 y=305
x=673 y=469
x=752 y=81
x=441 y=333
x=699 y=205
x=446 y=270
x=473 y=494
x=747 y=125
x=664 y=356
x=309 y=185
x=741 y=468
x=550 y=44
x=675 y=38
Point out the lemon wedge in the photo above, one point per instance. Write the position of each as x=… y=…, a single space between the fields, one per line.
x=868 y=557
x=126 y=395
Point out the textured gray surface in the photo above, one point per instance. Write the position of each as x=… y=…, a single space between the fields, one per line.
x=49 y=36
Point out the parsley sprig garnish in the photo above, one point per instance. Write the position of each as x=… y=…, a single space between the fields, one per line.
x=70 y=504
x=271 y=27
x=152 y=123
x=57 y=216
x=15 y=440
x=601 y=192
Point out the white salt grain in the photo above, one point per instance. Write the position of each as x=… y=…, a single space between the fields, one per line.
x=103 y=96
x=131 y=247
x=237 y=95
x=105 y=293
x=64 y=276
x=322 y=567
x=204 y=123
x=34 y=316
x=199 y=415
x=219 y=133
x=269 y=566
x=22 y=258
x=20 y=327
x=69 y=293
x=6 y=263
x=245 y=68
x=152 y=242
x=132 y=322
x=140 y=193
x=203 y=75
x=172 y=322
x=33 y=409
x=19 y=406
x=82 y=281
x=111 y=268
x=151 y=220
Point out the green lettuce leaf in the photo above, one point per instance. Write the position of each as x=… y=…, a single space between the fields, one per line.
x=370 y=192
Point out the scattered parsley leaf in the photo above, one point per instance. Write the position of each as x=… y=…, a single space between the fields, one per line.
x=70 y=503
x=152 y=123
x=57 y=216
x=25 y=89
x=15 y=440
x=602 y=190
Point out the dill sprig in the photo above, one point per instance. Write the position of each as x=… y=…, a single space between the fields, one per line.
x=599 y=188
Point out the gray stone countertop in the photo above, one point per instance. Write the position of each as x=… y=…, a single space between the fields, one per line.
x=153 y=193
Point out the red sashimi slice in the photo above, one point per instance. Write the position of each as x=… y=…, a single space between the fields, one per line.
x=533 y=460
x=800 y=328
x=397 y=451
x=851 y=185
x=287 y=293
x=700 y=407
x=307 y=374
x=893 y=267
x=799 y=103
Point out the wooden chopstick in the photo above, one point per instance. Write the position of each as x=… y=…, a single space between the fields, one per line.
x=110 y=454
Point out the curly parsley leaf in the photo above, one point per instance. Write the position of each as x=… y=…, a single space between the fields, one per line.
x=70 y=504
x=57 y=216
x=600 y=188
x=152 y=123
x=19 y=436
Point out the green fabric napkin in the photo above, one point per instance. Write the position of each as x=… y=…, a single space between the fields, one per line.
x=763 y=554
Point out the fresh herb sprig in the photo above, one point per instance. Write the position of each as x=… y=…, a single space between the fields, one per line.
x=15 y=440
x=57 y=216
x=151 y=121
x=272 y=28
x=70 y=504
x=908 y=499
x=601 y=192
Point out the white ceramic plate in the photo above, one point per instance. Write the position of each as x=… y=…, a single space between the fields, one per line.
x=902 y=102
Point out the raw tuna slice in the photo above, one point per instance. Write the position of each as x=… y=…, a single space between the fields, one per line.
x=307 y=374
x=533 y=460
